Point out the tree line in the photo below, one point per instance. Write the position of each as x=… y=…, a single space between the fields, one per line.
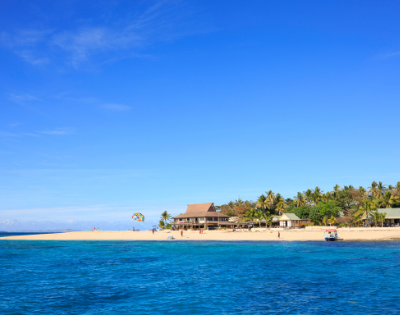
x=344 y=206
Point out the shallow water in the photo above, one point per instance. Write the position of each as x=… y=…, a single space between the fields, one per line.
x=5 y=234
x=114 y=277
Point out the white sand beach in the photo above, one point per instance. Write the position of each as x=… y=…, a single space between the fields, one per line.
x=345 y=234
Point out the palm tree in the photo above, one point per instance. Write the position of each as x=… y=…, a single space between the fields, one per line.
x=263 y=202
x=278 y=198
x=382 y=218
x=376 y=216
x=336 y=188
x=270 y=196
x=381 y=188
x=165 y=216
x=332 y=220
x=373 y=188
x=357 y=217
x=327 y=197
x=299 y=200
x=259 y=216
x=397 y=188
x=308 y=194
x=388 y=199
x=367 y=207
x=268 y=218
x=316 y=195
x=362 y=191
x=280 y=207
x=250 y=215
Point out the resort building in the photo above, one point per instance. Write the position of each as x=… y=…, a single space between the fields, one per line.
x=392 y=217
x=201 y=216
x=291 y=220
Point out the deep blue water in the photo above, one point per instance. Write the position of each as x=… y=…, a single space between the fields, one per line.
x=110 y=277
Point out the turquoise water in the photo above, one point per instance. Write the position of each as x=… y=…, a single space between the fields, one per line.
x=4 y=234
x=66 y=277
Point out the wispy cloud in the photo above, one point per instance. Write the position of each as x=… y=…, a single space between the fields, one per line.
x=390 y=55
x=5 y=134
x=116 y=107
x=163 y=21
x=58 y=131
x=18 y=98
x=53 y=132
x=29 y=57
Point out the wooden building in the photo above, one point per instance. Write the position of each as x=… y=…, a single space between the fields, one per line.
x=392 y=217
x=201 y=215
x=291 y=220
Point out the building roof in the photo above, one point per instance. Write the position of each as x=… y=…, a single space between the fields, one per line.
x=290 y=216
x=201 y=210
x=391 y=213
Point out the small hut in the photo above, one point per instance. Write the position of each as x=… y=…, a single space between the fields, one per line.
x=291 y=220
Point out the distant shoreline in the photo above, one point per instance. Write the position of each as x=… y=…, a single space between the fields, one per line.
x=392 y=234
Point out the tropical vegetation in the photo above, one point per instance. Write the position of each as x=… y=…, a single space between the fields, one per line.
x=165 y=216
x=343 y=206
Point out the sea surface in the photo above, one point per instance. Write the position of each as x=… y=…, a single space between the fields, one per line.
x=125 y=277
x=4 y=234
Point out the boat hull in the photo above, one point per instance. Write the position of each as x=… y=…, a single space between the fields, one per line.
x=330 y=239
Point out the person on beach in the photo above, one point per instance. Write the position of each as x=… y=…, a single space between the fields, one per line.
x=153 y=231
x=181 y=233
x=279 y=234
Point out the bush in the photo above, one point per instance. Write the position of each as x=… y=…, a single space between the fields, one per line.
x=302 y=212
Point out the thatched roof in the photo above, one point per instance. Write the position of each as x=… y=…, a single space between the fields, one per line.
x=201 y=210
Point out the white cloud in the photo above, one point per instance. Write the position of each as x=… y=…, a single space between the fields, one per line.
x=58 y=131
x=163 y=21
x=117 y=107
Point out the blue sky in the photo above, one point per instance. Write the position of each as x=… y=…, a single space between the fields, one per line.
x=113 y=107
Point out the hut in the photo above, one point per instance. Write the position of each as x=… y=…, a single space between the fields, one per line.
x=291 y=220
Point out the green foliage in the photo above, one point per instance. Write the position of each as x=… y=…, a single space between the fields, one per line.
x=328 y=209
x=168 y=226
x=315 y=216
x=161 y=224
x=317 y=205
x=291 y=209
x=323 y=212
x=165 y=216
x=302 y=212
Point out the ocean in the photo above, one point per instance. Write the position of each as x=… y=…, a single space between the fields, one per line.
x=125 y=277
x=4 y=234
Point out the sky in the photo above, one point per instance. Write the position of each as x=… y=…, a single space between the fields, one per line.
x=114 y=107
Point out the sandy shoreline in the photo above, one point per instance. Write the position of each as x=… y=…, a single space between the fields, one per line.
x=384 y=234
